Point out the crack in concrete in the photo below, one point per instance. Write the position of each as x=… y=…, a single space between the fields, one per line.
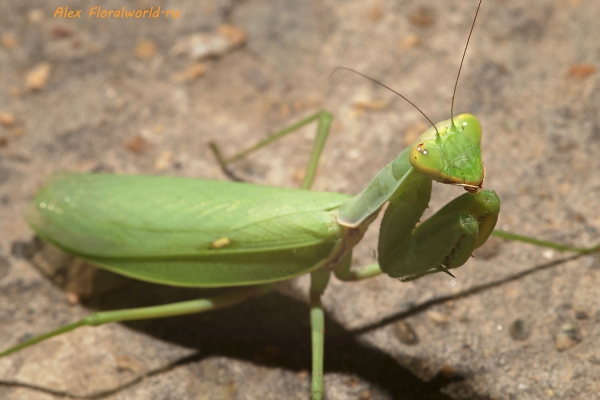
x=109 y=392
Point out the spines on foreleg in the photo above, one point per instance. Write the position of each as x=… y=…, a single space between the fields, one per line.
x=444 y=241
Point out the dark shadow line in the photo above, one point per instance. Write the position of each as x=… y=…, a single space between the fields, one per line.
x=109 y=392
x=231 y=175
x=442 y=299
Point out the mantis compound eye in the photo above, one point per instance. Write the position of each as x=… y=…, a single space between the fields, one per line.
x=428 y=158
x=470 y=127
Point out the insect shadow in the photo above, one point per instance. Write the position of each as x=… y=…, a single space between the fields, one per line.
x=271 y=330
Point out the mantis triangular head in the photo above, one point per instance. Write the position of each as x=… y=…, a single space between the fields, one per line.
x=450 y=153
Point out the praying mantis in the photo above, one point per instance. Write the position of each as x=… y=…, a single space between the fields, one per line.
x=222 y=242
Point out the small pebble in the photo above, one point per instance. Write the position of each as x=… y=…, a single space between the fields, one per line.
x=351 y=382
x=215 y=44
x=405 y=333
x=302 y=375
x=447 y=372
x=25 y=249
x=422 y=17
x=61 y=32
x=7 y=119
x=191 y=73
x=375 y=12
x=195 y=70
x=127 y=363
x=594 y=360
x=298 y=175
x=568 y=336
x=362 y=105
x=410 y=41
x=145 y=49
x=235 y=35
x=580 y=314
x=164 y=161
x=548 y=254
x=35 y=16
x=73 y=298
x=519 y=330
x=438 y=317
x=137 y=145
x=37 y=77
x=581 y=70
x=9 y=41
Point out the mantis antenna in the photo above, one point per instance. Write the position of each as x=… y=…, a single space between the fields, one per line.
x=388 y=88
x=410 y=102
x=461 y=64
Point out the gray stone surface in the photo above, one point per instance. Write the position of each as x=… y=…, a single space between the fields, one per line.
x=103 y=108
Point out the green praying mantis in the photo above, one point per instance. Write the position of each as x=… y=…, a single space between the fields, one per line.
x=199 y=233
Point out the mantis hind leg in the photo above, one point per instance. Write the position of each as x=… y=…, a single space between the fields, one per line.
x=324 y=119
x=545 y=243
x=168 y=310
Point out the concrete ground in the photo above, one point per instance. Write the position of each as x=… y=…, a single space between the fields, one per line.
x=127 y=96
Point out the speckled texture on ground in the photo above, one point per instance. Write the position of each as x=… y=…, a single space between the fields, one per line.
x=541 y=148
